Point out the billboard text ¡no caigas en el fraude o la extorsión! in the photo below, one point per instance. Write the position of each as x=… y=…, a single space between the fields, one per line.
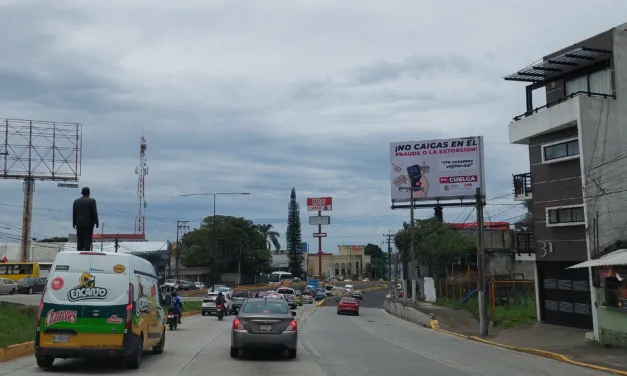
x=436 y=169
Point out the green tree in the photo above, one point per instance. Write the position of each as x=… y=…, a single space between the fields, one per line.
x=436 y=244
x=378 y=257
x=272 y=237
x=294 y=236
x=237 y=239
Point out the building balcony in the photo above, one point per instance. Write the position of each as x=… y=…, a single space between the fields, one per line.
x=553 y=117
x=525 y=243
x=522 y=186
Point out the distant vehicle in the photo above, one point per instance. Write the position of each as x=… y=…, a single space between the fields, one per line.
x=290 y=296
x=328 y=289
x=264 y=323
x=320 y=295
x=349 y=288
x=19 y=270
x=357 y=295
x=200 y=285
x=348 y=305
x=8 y=286
x=308 y=299
x=280 y=278
x=31 y=285
x=169 y=285
x=209 y=304
x=239 y=297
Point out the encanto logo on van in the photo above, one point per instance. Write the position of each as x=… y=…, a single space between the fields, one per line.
x=53 y=317
x=86 y=289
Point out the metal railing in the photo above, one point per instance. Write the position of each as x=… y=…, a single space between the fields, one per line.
x=522 y=185
x=561 y=100
x=525 y=243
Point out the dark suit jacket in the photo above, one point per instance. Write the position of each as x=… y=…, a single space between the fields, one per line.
x=85 y=213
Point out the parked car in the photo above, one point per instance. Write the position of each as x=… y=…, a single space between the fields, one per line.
x=348 y=305
x=7 y=286
x=200 y=285
x=264 y=322
x=30 y=285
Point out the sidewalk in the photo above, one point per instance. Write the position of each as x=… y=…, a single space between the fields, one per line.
x=570 y=342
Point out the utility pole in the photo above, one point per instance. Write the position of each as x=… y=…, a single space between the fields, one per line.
x=116 y=245
x=102 y=237
x=239 y=264
x=483 y=304
x=181 y=229
x=389 y=241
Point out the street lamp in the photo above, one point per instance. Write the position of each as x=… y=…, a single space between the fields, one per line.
x=215 y=226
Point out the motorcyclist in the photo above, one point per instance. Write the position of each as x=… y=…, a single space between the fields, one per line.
x=177 y=305
x=221 y=300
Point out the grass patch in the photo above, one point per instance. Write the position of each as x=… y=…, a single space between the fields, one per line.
x=18 y=324
x=504 y=316
x=192 y=305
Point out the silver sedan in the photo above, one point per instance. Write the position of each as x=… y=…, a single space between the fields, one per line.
x=264 y=323
x=7 y=286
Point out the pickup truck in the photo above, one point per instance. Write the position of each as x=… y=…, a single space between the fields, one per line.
x=290 y=296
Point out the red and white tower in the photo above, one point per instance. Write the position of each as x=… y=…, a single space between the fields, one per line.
x=142 y=171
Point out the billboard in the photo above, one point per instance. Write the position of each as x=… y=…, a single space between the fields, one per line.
x=436 y=169
x=319 y=220
x=320 y=204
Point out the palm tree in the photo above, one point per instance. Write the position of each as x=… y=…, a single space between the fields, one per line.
x=272 y=237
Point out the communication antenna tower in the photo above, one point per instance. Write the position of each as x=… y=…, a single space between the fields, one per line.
x=141 y=170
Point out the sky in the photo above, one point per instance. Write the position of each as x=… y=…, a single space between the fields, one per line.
x=263 y=96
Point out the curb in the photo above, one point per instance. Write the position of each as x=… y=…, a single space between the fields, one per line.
x=28 y=348
x=536 y=352
x=17 y=351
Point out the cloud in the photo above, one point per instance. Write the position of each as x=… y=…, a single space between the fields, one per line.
x=263 y=98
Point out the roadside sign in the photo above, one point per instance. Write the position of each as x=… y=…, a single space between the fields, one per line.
x=320 y=204
x=319 y=220
x=67 y=185
x=320 y=234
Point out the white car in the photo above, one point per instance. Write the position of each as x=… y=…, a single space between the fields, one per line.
x=7 y=286
x=349 y=288
x=200 y=285
x=209 y=305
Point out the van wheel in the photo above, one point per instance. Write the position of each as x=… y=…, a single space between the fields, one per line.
x=159 y=348
x=45 y=362
x=138 y=354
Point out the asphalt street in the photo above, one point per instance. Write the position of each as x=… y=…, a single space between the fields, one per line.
x=373 y=343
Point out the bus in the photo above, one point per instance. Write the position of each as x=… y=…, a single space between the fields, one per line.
x=18 y=270
x=280 y=278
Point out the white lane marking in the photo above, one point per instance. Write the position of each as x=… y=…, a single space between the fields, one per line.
x=423 y=353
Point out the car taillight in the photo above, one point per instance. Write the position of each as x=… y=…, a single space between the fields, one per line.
x=237 y=325
x=291 y=327
x=129 y=308
x=41 y=308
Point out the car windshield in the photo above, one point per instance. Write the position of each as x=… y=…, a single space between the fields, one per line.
x=240 y=294
x=25 y=280
x=169 y=281
x=269 y=306
x=285 y=291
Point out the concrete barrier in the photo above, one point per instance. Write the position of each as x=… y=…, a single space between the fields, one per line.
x=407 y=313
x=17 y=351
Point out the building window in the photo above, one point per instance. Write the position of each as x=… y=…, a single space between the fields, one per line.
x=599 y=82
x=560 y=151
x=565 y=216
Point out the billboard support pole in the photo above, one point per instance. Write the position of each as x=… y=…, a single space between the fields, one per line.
x=319 y=248
x=409 y=275
x=483 y=306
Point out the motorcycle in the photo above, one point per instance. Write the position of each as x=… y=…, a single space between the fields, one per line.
x=172 y=320
x=220 y=311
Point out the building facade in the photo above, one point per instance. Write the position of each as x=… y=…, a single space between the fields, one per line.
x=351 y=260
x=577 y=150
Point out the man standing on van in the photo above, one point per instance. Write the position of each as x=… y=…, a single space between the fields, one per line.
x=84 y=218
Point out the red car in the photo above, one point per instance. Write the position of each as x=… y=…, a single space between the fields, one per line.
x=348 y=305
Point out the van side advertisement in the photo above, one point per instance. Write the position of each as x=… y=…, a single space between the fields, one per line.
x=436 y=169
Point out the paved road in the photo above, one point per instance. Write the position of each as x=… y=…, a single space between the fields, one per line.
x=374 y=343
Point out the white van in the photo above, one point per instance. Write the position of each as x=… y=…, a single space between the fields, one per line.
x=99 y=304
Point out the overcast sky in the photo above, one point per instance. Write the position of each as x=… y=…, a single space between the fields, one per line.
x=263 y=96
